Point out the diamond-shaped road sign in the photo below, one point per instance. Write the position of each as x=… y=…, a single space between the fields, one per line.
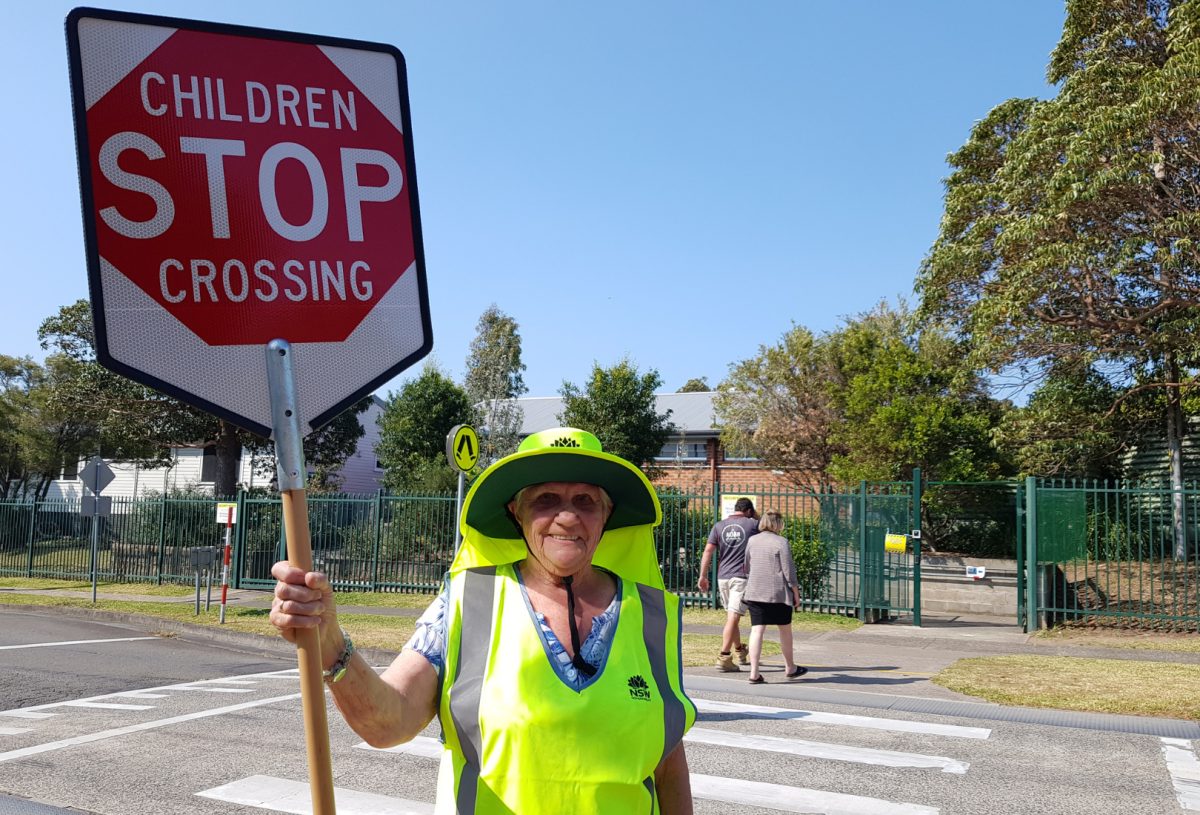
x=242 y=185
x=96 y=475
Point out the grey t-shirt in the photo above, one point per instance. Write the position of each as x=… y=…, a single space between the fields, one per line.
x=730 y=536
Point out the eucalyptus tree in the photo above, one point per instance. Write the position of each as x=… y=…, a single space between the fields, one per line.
x=494 y=382
x=1071 y=224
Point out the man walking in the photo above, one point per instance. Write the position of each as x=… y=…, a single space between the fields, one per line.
x=728 y=539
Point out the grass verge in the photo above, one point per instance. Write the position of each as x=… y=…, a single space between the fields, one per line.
x=1073 y=683
x=370 y=631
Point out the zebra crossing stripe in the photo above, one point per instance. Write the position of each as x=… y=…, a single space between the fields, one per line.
x=842 y=719
x=797 y=799
x=13 y=731
x=25 y=752
x=816 y=749
x=293 y=797
x=107 y=705
x=71 y=642
x=1184 y=769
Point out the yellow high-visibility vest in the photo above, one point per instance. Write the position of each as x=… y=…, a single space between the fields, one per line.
x=519 y=740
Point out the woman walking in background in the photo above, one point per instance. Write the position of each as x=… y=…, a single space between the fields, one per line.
x=771 y=592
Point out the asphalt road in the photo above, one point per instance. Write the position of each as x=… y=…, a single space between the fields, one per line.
x=108 y=719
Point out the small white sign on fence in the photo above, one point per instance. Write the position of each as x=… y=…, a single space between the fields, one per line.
x=226 y=512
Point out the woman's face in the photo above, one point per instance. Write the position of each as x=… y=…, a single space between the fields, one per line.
x=562 y=522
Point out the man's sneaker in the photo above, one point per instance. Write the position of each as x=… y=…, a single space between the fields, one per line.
x=725 y=663
x=743 y=652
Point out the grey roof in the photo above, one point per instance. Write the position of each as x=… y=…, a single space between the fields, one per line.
x=691 y=413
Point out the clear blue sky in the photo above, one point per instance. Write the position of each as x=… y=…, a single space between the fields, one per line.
x=676 y=182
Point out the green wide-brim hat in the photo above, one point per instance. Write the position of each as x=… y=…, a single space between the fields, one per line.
x=491 y=537
x=560 y=454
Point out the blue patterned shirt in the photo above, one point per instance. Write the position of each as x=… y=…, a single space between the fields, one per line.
x=429 y=640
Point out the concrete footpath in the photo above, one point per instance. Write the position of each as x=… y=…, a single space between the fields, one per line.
x=884 y=665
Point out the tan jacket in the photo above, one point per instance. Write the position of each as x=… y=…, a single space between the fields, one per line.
x=772 y=572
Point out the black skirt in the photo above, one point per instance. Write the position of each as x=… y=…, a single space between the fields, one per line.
x=769 y=613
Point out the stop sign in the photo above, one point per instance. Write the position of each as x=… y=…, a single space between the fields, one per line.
x=241 y=185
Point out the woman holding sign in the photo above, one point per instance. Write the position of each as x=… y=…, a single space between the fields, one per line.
x=557 y=542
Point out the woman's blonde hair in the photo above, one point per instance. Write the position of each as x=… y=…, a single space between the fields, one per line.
x=771 y=521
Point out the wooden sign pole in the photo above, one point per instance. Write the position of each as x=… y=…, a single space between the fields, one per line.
x=289 y=454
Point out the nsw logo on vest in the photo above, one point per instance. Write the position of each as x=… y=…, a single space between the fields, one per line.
x=638 y=689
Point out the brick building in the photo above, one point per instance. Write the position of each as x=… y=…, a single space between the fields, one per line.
x=693 y=459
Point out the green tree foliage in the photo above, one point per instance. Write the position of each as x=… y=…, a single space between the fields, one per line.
x=36 y=438
x=412 y=433
x=494 y=381
x=695 y=385
x=904 y=402
x=778 y=406
x=618 y=405
x=1069 y=428
x=130 y=422
x=870 y=400
x=1070 y=224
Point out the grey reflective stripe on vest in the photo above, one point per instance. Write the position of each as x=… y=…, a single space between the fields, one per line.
x=475 y=634
x=654 y=632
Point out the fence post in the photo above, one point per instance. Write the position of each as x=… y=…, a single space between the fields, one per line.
x=376 y=544
x=1031 y=567
x=162 y=534
x=33 y=505
x=713 y=591
x=862 y=551
x=238 y=558
x=916 y=528
x=1019 y=535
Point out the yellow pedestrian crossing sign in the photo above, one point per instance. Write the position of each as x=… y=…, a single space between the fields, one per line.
x=462 y=447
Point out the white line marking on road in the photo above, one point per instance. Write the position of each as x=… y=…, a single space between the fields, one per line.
x=293 y=797
x=743 y=793
x=26 y=714
x=71 y=642
x=422 y=746
x=13 y=731
x=213 y=689
x=232 y=681
x=816 y=749
x=797 y=799
x=1184 y=769
x=139 y=694
x=107 y=705
x=137 y=728
x=844 y=720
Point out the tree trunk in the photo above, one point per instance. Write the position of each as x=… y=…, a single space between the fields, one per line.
x=229 y=457
x=1176 y=429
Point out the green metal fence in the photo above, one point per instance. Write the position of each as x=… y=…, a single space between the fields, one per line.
x=405 y=543
x=1112 y=554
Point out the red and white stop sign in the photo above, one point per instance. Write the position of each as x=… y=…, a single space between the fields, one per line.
x=242 y=185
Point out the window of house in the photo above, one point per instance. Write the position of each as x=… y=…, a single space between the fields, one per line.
x=378 y=466
x=208 y=465
x=685 y=450
x=733 y=454
x=70 y=470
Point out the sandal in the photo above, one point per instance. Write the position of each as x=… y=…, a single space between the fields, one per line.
x=799 y=672
x=756 y=680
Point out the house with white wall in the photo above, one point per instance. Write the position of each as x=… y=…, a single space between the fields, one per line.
x=195 y=467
